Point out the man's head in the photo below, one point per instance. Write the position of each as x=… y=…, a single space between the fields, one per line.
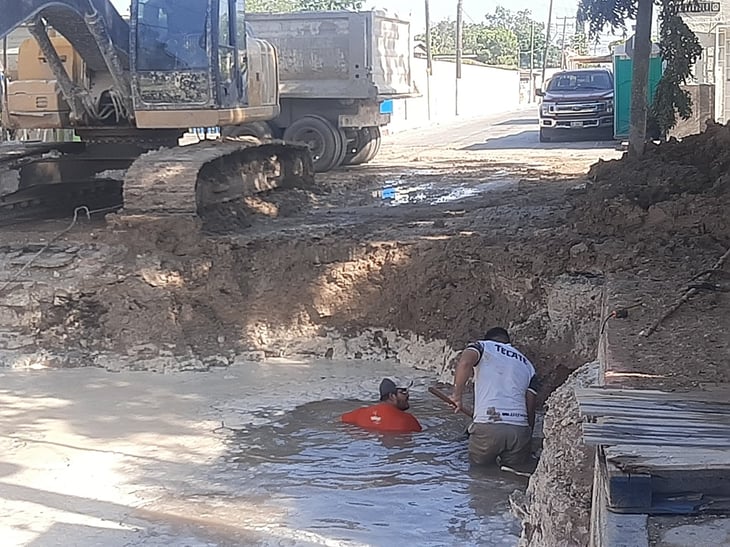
x=394 y=395
x=498 y=334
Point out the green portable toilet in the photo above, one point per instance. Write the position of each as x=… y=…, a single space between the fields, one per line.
x=622 y=68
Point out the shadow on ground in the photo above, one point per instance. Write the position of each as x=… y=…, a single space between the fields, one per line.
x=529 y=139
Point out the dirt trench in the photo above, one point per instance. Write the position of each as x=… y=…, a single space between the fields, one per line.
x=129 y=297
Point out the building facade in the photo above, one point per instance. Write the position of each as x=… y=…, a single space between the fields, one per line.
x=710 y=21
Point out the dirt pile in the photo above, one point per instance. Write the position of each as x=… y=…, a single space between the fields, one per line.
x=699 y=164
x=670 y=203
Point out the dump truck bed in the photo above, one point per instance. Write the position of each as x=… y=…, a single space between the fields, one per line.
x=339 y=54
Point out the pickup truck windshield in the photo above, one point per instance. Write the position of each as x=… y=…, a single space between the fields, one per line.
x=576 y=81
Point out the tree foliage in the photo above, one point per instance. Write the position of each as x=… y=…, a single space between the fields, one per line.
x=283 y=6
x=504 y=38
x=680 y=50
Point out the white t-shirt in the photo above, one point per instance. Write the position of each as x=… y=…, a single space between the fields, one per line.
x=502 y=377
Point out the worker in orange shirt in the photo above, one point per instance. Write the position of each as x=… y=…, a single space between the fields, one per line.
x=389 y=415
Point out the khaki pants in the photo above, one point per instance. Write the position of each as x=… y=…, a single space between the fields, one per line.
x=509 y=443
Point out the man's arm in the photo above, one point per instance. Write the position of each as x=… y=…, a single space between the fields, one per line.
x=464 y=369
x=531 y=400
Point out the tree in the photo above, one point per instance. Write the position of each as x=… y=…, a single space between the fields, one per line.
x=271 y=6
x=443 y=38
x=680 y=50
x=503 y=39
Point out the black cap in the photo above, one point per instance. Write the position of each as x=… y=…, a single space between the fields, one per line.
x=387 y=386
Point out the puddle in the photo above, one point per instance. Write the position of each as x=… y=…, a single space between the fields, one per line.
x=401 y=192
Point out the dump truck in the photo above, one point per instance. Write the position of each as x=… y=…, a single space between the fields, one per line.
x=335 y=70
x=130 y=89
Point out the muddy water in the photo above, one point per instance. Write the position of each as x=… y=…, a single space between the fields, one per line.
x=253 y=454
x=358 y=488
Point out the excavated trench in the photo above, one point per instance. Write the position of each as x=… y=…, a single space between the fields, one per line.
x=180 y=301
x=129 y=298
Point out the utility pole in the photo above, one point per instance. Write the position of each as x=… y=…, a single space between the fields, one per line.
x=562 y=43
x=547 y=42
x=429 y=60
x=640 y=78
x=532 y=61
x=459 y=46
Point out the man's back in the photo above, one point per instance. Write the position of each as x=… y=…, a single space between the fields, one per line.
x=501 y=379
x=383 y=417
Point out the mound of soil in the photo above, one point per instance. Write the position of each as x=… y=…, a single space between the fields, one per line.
x=695 y=165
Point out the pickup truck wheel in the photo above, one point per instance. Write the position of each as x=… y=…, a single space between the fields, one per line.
x=543 y=136
x=323 y=139
x=261 y=130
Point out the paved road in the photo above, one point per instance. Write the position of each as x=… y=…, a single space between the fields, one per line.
x=510 y=131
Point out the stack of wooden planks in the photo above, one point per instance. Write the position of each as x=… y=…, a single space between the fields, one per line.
x=660 y=452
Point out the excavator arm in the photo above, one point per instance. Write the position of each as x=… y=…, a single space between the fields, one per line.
x=71 y=19
x=97 y=33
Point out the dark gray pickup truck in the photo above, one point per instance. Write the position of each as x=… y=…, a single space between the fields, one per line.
x=577 y=103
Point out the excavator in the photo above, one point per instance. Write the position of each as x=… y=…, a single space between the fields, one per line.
x=129 y=89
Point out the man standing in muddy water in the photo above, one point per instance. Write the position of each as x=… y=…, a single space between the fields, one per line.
x=505 y=398
x=389 y=415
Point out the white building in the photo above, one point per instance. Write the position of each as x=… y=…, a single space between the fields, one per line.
x=710 y=20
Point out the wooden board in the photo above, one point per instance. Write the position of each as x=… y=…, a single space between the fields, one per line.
x=658 y=459
x=617 y=433
x=720 y=396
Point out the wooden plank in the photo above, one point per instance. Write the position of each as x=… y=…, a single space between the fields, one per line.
x=679 y=423
x=612 y=425
x=720 y=396
x=592 y=407
x=612 y=435
x=658 y=459
x=609 y=529
x=627 y=492
x=678 y=492
x=665 y=411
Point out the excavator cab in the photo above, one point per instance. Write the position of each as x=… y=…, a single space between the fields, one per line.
x=194 y=59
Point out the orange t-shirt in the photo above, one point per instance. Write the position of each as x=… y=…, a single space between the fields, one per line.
x=383 y=417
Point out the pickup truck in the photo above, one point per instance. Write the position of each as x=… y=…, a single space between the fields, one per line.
x=577 y=102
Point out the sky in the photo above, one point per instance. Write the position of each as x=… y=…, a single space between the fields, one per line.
x=474 y=10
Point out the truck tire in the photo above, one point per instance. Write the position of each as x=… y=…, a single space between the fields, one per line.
x=365 y=147
x=377 y=139
x=360 y=147
x=544 y=137
x=323 y=139
x=261 y=130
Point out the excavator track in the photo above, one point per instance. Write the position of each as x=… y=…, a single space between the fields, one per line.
x=208 y=181
x=212 y=180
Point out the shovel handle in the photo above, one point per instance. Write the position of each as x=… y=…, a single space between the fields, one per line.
x=441 y=395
